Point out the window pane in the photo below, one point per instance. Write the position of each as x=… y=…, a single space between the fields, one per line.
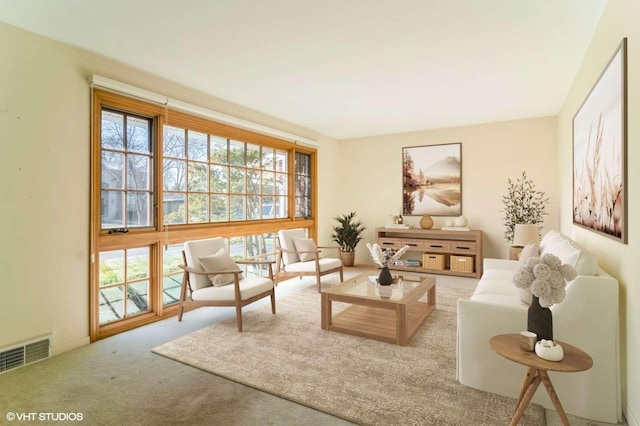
x=197 y=146
x=268 y=208
x=236 y=153
x=281 y=184
x=111 y=267
x=236 y=247
x=238 y=180
x=219 y=179
x=174 y=142
x=138 y=134
x=268 y=158
x=198 y=179
x=253 y=156
x=112 y=209
x=137 y=263
x=237 y=207
x=281 y=207
x=198 y=208
x=174 y=208
x=268 y=183
x=218 y=150
x=138 y=172
x=172 y=275
x=253 y=181
x=137 y=298
x=174 y=175
x=282 y=164
x=112 y=132
x=253 y=208
x=112 y=170
x=219 y=208
x=111 y=304
x=138 y=209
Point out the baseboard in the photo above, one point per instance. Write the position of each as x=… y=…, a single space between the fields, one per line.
x=632 y=419
x=58 y=349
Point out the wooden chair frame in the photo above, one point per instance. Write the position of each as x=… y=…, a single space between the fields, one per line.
x=187 y=303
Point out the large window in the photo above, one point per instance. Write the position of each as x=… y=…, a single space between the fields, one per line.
x=210 y=178
x=160 y=178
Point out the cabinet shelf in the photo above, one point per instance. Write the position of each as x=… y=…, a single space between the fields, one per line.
x=461 y=250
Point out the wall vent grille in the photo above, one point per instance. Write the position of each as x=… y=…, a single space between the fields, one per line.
x=25 y=353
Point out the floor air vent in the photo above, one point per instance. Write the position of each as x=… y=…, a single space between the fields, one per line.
x=25 y=353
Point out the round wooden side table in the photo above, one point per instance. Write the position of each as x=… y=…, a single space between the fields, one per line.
x=508 y=346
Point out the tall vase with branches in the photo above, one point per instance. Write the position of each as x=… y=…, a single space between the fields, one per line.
x=523 y=203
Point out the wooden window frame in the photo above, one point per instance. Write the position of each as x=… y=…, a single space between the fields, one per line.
x=156 y=236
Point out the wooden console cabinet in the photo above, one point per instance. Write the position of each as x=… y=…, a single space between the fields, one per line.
x=447 y=252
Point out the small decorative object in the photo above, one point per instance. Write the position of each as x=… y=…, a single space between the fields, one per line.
x=384 y=258
x=385 y=277
x=348 y=233
x=549 y=350
x=546 y=277
x=426 y=222
x=528 y=341
x=449 y=222
x=461 y=221
x=522 y=204
x=400 y=219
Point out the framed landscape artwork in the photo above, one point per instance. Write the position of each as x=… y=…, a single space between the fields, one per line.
x=432 y=180
x=599 y=153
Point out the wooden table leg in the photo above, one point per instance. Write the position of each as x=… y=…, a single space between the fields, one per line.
x=325 y=311
x=554 y=397
x=531 y=374
x=531 y=390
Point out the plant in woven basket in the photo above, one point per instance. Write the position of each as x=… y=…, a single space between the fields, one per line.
x=523 y=203
x=348 y=232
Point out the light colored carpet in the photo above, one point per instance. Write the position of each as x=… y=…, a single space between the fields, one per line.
x=361 y=380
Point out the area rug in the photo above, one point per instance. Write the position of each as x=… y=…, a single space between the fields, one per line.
x=357 y=379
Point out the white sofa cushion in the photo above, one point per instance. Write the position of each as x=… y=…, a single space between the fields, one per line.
x=569 y=252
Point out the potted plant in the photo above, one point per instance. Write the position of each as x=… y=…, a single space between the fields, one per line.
x=523 y=204
x=348 y=233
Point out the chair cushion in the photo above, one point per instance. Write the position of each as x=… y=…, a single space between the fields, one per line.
x=249 y=287
x=305 y=244
x=326 y=263
x=220 y=261
x=195 y=249
x=286 y=237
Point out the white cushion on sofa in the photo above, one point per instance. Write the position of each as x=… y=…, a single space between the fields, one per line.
x=570 y=252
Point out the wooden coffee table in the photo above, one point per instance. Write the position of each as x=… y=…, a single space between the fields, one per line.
x=391 y=314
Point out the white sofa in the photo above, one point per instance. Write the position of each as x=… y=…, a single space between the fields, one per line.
x=587 y=319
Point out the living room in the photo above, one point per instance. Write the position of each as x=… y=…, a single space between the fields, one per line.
x=45 y=115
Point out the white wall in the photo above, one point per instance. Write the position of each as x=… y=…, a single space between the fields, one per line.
x=620 y=19
x=371 y=172
x=44 y=180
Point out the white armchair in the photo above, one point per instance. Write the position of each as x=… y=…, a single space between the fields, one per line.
x=213 y=278
x=299 y=255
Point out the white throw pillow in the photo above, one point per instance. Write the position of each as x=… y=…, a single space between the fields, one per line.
x=220 y=261
x=550 y=238
x=530 y=250
x=565 y=251
x=305 y=244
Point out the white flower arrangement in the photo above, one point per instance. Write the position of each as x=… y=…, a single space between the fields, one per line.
x=546 y=277
x=385 y=257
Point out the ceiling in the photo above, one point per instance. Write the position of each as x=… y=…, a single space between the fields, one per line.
x=345 y=68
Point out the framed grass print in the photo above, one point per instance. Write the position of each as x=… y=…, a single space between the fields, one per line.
x=599 y=152
x=432 y=180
